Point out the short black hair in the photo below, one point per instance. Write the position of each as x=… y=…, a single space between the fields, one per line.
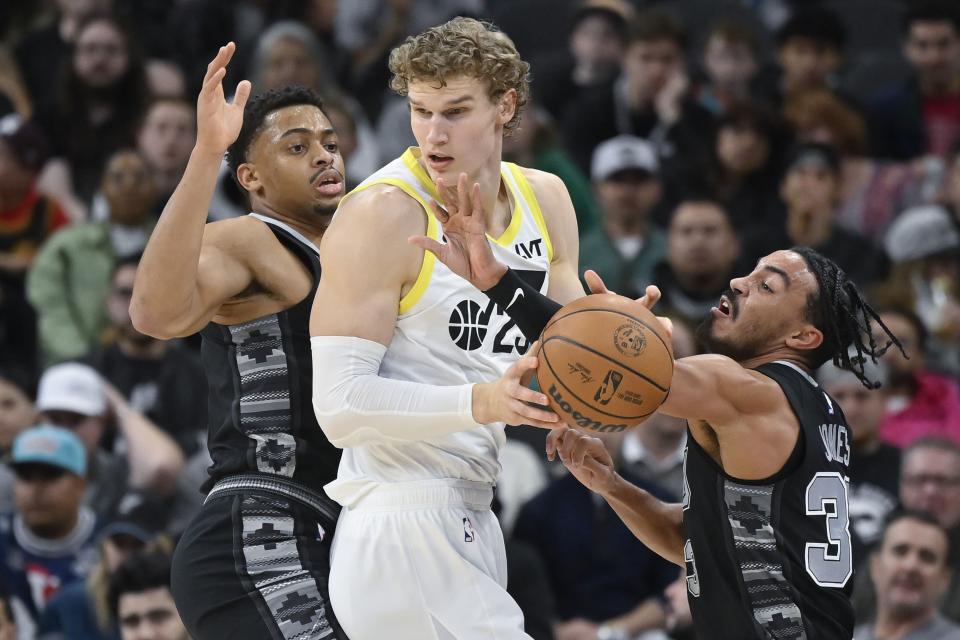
x=839 y=311
x=19 y=376
x=653 y=25
x=256 y=111
x=926 y=518
x=932 y=11
x=138 y=573
x=819 y=24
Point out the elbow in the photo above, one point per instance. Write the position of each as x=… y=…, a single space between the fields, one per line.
x=336 y=421
x=147 y=322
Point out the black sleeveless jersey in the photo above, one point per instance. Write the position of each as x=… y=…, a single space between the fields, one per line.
x=260 y=381
x=772 y=558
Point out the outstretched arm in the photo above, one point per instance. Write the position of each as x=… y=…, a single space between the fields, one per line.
x=656 y=524
x=186 y=273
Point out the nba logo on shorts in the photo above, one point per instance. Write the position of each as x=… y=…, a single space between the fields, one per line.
x=468 y=534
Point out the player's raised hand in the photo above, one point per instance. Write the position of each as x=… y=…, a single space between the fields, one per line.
x=219 y=121
x=584 y=456
x=509 y=400
x=650 y=297
x=464 y=222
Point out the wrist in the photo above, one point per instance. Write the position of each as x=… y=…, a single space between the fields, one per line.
x=492 y=277
x=207 y=153
x=479 y=403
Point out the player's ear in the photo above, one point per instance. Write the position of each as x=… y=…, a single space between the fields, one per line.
x=248 y=177
x=507 y=106
x=806 y=338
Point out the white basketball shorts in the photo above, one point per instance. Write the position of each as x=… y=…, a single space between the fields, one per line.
x=423 y=561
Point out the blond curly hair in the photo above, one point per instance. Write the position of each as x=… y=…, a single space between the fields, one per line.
x=463 y=47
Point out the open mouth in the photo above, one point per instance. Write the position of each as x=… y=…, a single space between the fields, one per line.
x=438 y=160
x=329 y=183
x=724 y=308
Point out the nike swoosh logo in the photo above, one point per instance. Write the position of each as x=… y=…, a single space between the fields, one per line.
x=516 y=296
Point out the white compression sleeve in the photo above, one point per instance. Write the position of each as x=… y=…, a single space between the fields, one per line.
x=355 y=405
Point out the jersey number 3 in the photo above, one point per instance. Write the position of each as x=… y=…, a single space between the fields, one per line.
x=830 y=563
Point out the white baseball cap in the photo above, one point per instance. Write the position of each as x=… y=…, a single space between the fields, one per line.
x=622 y=153
x=72 y=387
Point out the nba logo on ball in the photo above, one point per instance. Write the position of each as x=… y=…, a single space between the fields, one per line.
x=629 y=339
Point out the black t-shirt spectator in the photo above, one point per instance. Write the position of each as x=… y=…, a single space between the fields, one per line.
x=874 y=490
x=171 y=392
x=598 y=569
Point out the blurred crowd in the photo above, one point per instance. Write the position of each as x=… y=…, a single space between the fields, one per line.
x=694 y=136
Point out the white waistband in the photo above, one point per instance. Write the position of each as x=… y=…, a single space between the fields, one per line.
x=400 y=496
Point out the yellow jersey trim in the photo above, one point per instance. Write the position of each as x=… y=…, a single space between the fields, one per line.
x=534 y=204
x=411 y=160
x=420 y=285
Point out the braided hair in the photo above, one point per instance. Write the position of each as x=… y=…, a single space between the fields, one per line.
x=839 y=311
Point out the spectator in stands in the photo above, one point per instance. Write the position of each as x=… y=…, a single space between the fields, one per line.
x=74 y=396
x=731 y=62
x=655 y=451
x=17 y=414
x=100 y=104
x=702 y=253
x=950 y=191
x=650 y=99
x=874 y=465
x=872 y=192
x=289 y=53
x=82 y=609
x=158 y=378
x=922 y=114
x=47 y=543
x=911 y=570
x=535 y=144
x=811 y=192
x=70 y=278
x=591 y=60
x=141 y=602
x=920 y=403
x=43 y=51
x=809 y=52
x=27 y=219
x=605 y=581
x=626 y=246
x=924 y=244
x=745 y=170
x=165 y=140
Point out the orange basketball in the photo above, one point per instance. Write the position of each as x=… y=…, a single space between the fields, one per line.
x=605 y=363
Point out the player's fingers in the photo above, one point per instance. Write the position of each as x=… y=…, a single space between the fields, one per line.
x=595 y=282
x=439 y=212
x=529 y=395
x=650 y=297
x=554 y=438
x=215 y=64
x=476 y=202
x=213 y=82
x=463 y=195
x=242 y=94
x=593 y=465
x=667 y=324
x=447 y=198
x=532 y=415
x=427 y=244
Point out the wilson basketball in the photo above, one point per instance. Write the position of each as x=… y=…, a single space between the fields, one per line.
x=605 y=363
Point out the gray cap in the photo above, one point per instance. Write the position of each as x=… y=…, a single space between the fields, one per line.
x=921 y=232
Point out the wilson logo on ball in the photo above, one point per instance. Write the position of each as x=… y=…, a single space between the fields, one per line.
x=629 y=339
x=581 y=420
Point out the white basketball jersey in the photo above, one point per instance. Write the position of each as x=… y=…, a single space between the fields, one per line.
x=449 y=333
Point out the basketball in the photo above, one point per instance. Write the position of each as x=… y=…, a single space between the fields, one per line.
x=605 y=363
